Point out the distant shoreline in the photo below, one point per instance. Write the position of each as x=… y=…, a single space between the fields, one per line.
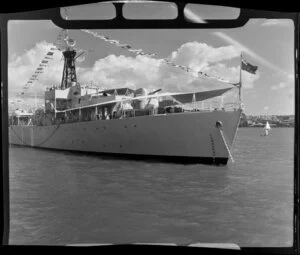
x=263 y=127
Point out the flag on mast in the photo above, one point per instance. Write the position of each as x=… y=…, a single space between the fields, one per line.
x=248 y=67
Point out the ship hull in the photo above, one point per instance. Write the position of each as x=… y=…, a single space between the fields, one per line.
x=179 y=137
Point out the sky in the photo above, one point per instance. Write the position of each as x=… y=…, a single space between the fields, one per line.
x=267 y=44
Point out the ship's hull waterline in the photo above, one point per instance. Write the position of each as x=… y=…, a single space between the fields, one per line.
x=187 y=137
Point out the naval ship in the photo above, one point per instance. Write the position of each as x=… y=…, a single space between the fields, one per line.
x=130 y=123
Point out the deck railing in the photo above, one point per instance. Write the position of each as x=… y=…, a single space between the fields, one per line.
x=135 y=113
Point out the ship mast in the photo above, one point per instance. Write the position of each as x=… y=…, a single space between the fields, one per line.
x=69 y=72
x=240 y=85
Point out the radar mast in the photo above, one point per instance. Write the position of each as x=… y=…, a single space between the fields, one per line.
x=69 y=53
x=69 y=72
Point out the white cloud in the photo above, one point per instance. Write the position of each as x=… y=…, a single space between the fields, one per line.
x=286 y=87
x=134 y=72
x=281 y=85
x=276 y=22
x=22 y=67
x=291 y=77
x=291 y=93
x=249 y=79
x=287 y=83
x=196 y=18
x=248 y=51
x=200 y=55
x=119 y=71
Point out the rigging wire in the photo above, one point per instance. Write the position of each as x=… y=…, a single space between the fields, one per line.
x=129 y=48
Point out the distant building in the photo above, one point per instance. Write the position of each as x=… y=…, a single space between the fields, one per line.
x=274 y=118
x=243 y=121
x=259 y=124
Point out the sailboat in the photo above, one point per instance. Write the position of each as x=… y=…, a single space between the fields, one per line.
x=267 y=128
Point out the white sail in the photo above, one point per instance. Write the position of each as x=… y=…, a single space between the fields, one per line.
x=266 y=129
x=267 y=126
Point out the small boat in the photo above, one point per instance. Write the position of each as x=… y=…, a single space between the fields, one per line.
x=266 y=129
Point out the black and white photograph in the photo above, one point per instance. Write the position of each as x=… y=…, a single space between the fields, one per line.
x=151 y=136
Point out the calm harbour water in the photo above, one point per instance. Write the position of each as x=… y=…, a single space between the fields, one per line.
x=59 y=198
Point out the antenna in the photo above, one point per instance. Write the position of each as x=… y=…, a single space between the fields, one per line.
x=69 y=53
x=80 y=54
x=67 y=17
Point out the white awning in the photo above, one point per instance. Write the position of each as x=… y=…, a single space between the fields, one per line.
x=183 y=98
x=199 y=96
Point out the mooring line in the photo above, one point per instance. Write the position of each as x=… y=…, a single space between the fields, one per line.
x=223 y=135
x=37 y=145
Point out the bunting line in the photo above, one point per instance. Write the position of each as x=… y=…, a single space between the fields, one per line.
x=63 y=36
x=43 y=64
x=199 y=74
